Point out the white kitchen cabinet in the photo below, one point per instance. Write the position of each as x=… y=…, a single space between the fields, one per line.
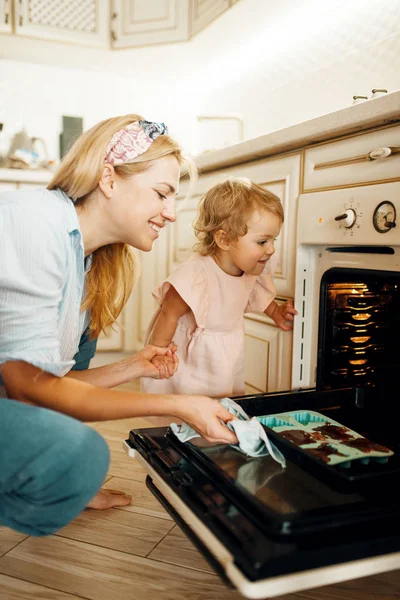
x=205 y=11
x=355 y=160
x=7 y=186
x=14 y=179
x=5 y=16
x=114 y=339
x=143 y=23
x=76 y=21
x=268 y=356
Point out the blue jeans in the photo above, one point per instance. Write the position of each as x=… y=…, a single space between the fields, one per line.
x=86 y=351
x=50 y=467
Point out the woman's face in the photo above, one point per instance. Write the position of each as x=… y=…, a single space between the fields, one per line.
x=144 y=203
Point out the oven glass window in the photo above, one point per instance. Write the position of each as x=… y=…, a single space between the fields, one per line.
x=284 y=491
x=359 y=328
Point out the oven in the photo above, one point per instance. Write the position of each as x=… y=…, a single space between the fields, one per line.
x=269 y=530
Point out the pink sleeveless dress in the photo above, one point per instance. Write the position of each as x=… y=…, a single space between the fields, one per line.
x=210 y=337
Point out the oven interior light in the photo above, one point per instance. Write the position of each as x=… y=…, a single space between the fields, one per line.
x=362 y=316
x=358 y=362
x=360 y=339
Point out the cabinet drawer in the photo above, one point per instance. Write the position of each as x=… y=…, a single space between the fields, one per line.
x=346 y=162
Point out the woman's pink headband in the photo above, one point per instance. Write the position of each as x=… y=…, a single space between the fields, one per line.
x=132 y=141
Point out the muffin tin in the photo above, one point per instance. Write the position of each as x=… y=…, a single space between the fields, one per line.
x=325 y=440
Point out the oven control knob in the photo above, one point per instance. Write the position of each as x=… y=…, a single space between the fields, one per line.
x=349 y=218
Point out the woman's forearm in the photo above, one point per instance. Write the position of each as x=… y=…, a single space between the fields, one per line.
x=111 y=375
x=79 y=399
x=87 y=403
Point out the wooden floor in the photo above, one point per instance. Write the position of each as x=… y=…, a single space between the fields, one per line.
x=133 y=553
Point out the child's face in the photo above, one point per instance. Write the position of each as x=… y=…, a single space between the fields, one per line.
x=251 y=252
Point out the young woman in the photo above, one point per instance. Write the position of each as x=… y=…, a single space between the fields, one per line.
x=66 y=262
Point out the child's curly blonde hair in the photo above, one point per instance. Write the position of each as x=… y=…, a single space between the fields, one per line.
x=228 y=206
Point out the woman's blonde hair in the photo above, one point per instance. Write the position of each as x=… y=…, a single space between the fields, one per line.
x=228 y=206
x=114 y=269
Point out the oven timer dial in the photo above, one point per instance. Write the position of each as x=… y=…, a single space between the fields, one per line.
x=384 y=217
x=348 y=218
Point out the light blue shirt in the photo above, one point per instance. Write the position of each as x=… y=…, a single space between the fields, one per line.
x=42 y=277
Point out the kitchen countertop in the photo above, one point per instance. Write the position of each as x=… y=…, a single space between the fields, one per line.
x=358 y=117
x=25 y=175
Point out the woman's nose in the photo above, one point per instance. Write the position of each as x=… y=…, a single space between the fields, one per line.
x=169 y=212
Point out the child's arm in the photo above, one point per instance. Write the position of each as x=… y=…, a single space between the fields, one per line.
x=282 y=314
x=166 y=321
x=164 y=328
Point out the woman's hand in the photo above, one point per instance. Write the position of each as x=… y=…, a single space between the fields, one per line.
x=205 y=415
x=158 y=363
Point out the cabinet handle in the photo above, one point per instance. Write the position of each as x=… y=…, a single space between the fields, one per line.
x=376 y=154
x=384 y=152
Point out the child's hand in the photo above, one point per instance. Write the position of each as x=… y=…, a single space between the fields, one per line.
x=284 y=314
x=167 y=364
x=144 y=366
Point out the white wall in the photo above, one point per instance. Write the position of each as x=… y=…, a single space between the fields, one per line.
x=276 y=63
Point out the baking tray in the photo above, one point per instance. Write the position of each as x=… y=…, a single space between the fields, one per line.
x=326 y=447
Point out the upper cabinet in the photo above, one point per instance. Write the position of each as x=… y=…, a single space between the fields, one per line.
x=5 y=16
x=141 y=23
x=113 y=24
x=74 y=21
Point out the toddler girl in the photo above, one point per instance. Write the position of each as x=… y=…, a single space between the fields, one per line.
x=202 y=304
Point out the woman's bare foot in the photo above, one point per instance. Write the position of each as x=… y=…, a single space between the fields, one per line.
x=108 y=498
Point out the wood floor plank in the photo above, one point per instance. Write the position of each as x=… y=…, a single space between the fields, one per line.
x=177 y=549
x=101 y=574
x=126 y=467
x=385 y=586
x=16 y=589
x=118 y=529
x=9 y=539
x=143 y=501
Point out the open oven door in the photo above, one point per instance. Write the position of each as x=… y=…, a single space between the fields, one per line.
x=270 y=531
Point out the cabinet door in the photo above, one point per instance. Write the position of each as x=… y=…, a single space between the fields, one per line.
x=268 y=356
x=153 y=272
x=5 y=16
x=141 y=23
x=114 y=340
x=7 y=186
x=205 y=11
x=31 y=185
x=76 y=21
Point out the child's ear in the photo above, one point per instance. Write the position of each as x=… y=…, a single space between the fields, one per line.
x=221 y=239
x=106 y=183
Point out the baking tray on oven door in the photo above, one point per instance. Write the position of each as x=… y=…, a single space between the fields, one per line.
x=356 y=446
x=266 y=528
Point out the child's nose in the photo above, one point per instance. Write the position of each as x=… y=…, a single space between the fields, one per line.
x=270 y=248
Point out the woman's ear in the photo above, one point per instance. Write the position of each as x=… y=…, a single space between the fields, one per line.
x=106 y=183
x=221 y=239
